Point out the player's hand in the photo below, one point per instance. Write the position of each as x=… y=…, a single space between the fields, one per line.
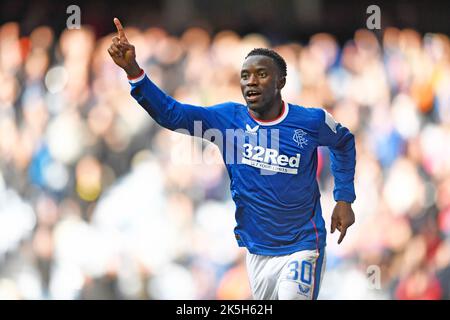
x=342 y=218
x=123 y=53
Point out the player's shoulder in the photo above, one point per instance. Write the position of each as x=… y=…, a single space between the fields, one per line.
x=308 y=114
x=228 y=107
x=226 y=112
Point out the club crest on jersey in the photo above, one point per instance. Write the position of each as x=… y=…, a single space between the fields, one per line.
x=251 y=130
x=299 y=138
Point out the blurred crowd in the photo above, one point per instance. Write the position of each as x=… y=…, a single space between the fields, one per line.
x=95 y=203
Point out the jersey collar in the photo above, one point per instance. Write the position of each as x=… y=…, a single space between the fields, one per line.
x=277 y=120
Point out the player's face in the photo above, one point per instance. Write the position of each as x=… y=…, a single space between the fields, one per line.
x=259 y=82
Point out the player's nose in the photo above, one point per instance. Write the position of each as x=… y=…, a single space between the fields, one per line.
x=252 y=80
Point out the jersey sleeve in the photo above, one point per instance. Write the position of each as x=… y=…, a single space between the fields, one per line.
x=174 y=115
x=341 y=144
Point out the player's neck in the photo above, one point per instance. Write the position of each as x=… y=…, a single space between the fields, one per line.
x=270 y=113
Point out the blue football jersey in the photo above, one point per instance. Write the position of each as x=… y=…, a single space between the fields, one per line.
x=272 y=165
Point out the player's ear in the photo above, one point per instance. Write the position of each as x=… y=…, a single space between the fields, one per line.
x=281 y=83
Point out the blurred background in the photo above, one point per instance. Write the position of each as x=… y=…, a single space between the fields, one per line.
x=94 y=205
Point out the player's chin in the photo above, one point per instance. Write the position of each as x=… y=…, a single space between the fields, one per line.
x=254 y=105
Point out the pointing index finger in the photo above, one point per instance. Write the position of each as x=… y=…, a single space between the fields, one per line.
x=343 y=232
x=120 y=31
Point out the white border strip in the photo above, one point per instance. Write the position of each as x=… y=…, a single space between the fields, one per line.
x=277 y=121
x=137 y=79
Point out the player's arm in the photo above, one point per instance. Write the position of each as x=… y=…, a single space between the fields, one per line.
x=341 y=144
x=165 y=110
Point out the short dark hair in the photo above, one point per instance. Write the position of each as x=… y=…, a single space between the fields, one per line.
x=279 y=61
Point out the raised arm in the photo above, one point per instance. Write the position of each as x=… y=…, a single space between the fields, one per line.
x=123 y=53
x=165 y=110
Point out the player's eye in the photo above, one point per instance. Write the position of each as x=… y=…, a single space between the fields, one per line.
x=263 y=74
x=244 y=76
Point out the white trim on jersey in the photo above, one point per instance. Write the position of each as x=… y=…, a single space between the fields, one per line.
x=276 y=121
x=137 y=79
x=329 y=120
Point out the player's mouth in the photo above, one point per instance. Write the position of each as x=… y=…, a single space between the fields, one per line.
x=252 y=95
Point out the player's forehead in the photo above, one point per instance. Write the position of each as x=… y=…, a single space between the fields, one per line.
x=257 y=62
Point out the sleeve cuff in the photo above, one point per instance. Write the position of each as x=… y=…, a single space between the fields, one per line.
x=138 y=78
x=344 y=196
